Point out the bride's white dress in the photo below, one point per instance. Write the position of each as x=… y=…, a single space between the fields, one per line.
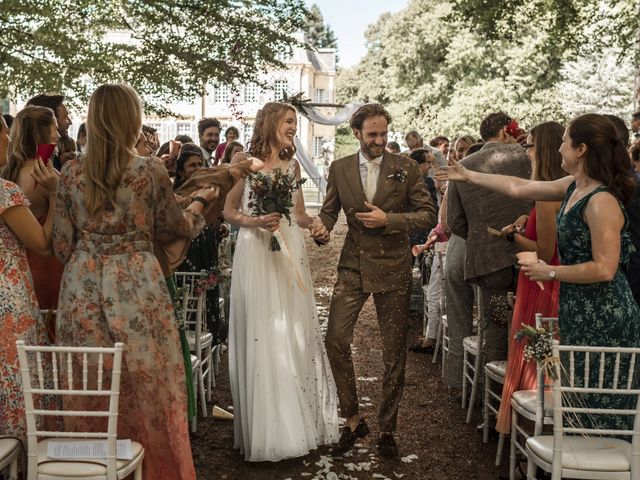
x=284 y=395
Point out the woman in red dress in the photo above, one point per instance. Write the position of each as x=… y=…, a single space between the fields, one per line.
x=537 y=232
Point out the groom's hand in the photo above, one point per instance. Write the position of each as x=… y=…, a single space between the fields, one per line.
x=319 y=232
x=376 y=218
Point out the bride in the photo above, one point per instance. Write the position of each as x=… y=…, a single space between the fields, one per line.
x=284 y=395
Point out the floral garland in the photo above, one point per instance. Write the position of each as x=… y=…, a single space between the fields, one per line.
x=211 y=280
x=539 y=347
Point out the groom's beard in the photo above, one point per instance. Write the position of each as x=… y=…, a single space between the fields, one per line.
x=372 y=150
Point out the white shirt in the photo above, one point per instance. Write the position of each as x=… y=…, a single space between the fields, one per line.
x=364 y=172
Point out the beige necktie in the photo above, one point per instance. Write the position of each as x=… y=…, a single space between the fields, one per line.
x=372 y=180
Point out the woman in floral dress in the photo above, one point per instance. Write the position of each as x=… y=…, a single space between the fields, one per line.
x=33 y=126
x=19 y=314
x=112 y=204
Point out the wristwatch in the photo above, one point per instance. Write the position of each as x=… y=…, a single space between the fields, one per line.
x=552 y=274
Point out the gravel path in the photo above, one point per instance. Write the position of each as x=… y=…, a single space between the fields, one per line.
x=434 y=441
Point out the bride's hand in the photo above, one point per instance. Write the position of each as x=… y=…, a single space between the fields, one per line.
x=270 y=222
x=454 y=172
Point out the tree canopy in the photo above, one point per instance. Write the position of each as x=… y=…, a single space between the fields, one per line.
x=317 y=33
x=439 y=74
x=167 y=49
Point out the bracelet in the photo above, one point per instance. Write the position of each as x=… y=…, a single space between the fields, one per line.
x=511 y=236
x=52 y=194
x=200 y=199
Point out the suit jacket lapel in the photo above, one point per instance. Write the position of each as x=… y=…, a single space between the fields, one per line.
x=384 y=183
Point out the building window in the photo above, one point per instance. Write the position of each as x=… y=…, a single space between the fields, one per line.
x=221 y=94
x=317 y=147
x=251 y=93
x=281 y=88
x=184 y=128
x=247 y=132
x=319 y=97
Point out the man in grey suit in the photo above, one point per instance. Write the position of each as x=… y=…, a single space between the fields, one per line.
x=488 y=260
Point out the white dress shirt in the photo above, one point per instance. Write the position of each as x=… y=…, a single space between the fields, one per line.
x=364 y=171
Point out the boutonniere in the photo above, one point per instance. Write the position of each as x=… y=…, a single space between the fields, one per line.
x=399 y=173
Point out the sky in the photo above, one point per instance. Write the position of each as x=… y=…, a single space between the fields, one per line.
x=349 y=20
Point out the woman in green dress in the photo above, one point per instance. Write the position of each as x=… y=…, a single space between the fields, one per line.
x=596 y=304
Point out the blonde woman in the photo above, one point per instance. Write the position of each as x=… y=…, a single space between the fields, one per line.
x=34 y=126
x=283 y=391
x=112 y=205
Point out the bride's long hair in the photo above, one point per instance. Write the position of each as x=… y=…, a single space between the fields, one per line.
x=268 y=120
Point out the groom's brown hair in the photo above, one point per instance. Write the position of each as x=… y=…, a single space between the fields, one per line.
x=367 y=111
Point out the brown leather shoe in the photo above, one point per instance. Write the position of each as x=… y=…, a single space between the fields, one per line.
x=386 y=446
x=349 y=438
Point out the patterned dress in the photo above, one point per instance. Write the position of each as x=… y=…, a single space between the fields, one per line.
x=19 y=316
x=596 y=314
x=113 y=290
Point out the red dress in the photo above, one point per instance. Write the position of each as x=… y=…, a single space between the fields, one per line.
x=530 y=299
x=47 y=275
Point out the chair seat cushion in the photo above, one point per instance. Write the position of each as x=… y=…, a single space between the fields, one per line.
x=526 y=400
x=585 y=453
x=8 y=445
x=206 y=339
x=470 y=343
x=78 y=468
x=497 y=367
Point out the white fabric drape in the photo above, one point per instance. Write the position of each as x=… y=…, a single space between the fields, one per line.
x=307 y=163
x=314 y=115
x=343 y=116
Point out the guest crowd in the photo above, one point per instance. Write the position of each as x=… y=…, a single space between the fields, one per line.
x=84 y=226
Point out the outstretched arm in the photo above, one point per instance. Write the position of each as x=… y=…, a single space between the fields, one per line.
x=513 y=187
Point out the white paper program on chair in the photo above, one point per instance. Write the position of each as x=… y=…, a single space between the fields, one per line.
x=88 y=449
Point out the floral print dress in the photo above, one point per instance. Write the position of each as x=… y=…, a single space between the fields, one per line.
x=596 y=314
x=19 y=316
x=113 y=290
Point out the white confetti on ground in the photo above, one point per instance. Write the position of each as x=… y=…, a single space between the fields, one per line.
x=379 y=475
x=367 y=379
x=409 y=458
x=366 y=399
x=399 y=475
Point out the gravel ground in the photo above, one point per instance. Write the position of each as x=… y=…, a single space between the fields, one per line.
x=435 y=443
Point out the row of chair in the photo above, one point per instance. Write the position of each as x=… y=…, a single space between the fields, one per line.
x=205 y=361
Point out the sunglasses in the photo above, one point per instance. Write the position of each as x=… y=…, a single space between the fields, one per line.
x=528 y=145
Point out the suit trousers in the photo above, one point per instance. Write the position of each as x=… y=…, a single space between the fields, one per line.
x=495 y=314
x=392 y=309
x=459 y=303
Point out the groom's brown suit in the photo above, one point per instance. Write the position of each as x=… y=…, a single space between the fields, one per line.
x=374 y=261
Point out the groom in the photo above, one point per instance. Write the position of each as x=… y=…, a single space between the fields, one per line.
x=383 y=197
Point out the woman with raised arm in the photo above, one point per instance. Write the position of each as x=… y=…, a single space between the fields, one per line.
x=596 y=305
x=112 y=205
x=284 y=395
x=19 y=314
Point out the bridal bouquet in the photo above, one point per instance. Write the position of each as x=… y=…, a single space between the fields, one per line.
x=273 y=194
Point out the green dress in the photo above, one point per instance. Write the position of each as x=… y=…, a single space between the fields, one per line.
x=186 y=352
x=596 y=314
